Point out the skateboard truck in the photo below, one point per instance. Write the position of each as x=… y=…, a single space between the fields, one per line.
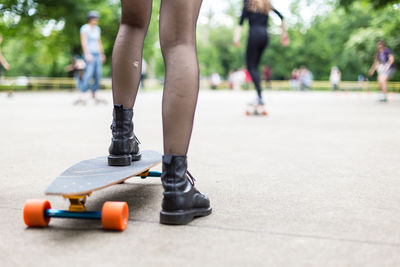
x=77 y=203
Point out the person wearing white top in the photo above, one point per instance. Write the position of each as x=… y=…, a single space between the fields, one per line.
x=93 y=53
x=335 y=78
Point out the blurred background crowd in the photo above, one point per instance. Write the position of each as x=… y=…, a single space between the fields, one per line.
x=331 y=40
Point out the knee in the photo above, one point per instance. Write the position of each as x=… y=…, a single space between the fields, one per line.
x=253 y=71
x=135 y=20
x=250 y=65
x=135 y=25
x=381 y=80
x=175 y=41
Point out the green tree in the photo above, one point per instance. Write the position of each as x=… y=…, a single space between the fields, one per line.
x=375 y=3
x=41 y=35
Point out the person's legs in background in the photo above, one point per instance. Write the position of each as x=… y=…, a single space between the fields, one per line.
x=82 y=82
x=251 y=59
x=97 y=74
x=382 y=81
x=257 y=42
x=87 y=76
x=77 y=79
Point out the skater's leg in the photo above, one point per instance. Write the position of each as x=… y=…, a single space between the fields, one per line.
x=126 y=70
x=382 y=80
x=182 y=202
x=255 y=48
x=178 y=44
x=127 y=53
x=260 y=50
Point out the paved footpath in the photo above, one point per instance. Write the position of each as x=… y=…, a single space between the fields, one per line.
x=316 y=183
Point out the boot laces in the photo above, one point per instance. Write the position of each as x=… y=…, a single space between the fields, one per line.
x=136 y=139
x=190 y=177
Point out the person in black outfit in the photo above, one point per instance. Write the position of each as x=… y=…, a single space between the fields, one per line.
x=257 y=13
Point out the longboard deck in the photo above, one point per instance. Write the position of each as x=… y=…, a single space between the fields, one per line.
x=95 y=174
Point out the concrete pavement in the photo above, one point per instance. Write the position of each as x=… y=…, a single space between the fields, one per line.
x=316 y=183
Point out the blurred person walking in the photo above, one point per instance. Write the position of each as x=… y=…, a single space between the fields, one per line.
x=306 y=78
x=247 y=79
x=335 y=77
x=231 y=79
x=238 y=79
x=182 y=202
x=215 y=80
x=295 y=80
x=76 y=68
x=257 y=13
x=3 y=62
x=384 y=65
x=267 y=76
x=93 y=54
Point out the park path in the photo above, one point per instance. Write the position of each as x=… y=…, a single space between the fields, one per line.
x=317 y=183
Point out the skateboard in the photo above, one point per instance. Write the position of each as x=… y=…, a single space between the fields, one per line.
x=80 y=181
x=256 y=110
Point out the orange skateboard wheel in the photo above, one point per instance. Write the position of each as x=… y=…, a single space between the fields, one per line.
x=114 y=215
x=34 y=212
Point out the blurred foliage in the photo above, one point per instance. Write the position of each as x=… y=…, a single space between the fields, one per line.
x=41 y=35
x=375 y=3
x=341 y=37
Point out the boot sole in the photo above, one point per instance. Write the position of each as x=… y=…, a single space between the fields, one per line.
x=183 y=217
x=123 y=160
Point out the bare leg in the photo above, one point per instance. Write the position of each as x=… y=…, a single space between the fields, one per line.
x=127 y=53
x=383 y=84
x=178 y=20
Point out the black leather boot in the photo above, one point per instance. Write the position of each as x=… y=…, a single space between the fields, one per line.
x=124 y=145
x=182 y=202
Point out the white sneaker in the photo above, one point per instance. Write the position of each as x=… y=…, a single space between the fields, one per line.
x=383 y=98
x=257 y=102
